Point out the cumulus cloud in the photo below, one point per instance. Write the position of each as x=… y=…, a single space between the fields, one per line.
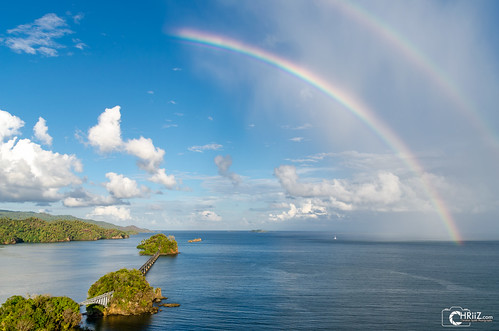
x=9 y=125
x=118 y=213
x=379 y=192
x=208 y=147
x=160 y=177
x=106 y=135
x=41 y=132
x=307 y=210
x=122 y=187
x=38 y=36
x=27 y=171
x=223 y=164
x=150 y=157
x=207 y=215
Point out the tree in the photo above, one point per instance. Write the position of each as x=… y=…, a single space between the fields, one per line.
x=39 y=313
x=166 y=245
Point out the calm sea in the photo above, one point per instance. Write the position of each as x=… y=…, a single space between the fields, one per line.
x=274 y=280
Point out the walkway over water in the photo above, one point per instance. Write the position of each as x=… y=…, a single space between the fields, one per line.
x=104 y=299
x=146 y=266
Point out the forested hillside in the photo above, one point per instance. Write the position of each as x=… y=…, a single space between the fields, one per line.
x=22 y=215
x=34 y=230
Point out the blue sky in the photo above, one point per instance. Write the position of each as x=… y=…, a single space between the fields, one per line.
x=107 y=113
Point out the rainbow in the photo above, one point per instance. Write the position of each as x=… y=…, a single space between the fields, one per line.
x=425 y=65
x=342 y=97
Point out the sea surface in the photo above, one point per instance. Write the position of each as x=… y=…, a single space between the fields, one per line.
x=274 y=280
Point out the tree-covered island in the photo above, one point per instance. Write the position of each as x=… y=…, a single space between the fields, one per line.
x=34 y=230
x=132 y=294
x=167 y=245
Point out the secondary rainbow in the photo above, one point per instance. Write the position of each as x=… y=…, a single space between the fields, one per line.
x=342 y=97
x=416 y=57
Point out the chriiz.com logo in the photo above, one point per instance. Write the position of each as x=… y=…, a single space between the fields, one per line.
x=462 y=317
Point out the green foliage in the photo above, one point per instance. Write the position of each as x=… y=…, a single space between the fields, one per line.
x=34 y=230
x=131 y=289
x=166 y=245
x=39 y=313
x=22 y=215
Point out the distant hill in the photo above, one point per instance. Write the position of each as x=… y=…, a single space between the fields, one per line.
x=22 y=215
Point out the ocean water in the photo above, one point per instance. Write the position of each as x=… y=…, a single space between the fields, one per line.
x=274 y=280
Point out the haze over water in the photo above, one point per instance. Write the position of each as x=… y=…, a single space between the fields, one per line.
x=275 y=280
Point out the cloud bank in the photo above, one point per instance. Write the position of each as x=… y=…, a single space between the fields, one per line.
x=27 y=171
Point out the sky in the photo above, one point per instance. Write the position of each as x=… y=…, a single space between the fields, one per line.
x=367 y=119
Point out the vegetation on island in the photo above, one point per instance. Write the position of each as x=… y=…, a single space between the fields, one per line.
x=34 y=230
x=167 y=245
x=132 y=294
x=22 y=215
x=41 y=312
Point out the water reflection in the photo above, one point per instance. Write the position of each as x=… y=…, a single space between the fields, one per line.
x=120 y=323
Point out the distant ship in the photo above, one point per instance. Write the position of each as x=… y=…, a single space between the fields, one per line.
x=334 y=237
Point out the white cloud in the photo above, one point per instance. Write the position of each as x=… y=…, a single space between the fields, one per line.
x=177 y=69
x=380 y=192
x=297 y=139
x=122 y=187
x=78 y=44
x=88 y=199
x=150 y=92
x=78 y=17
x=223 y=165
x=150 y=157
x=39 y=36
x=41 y=132
x=118 y=213
x=170 y=125
x=27 y=171
x=9 y=125
x=208 y=215
x=208 y=147
x=106 y=135
x=162 y=178
x=307 y=210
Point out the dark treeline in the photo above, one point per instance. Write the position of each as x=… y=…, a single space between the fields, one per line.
x=34 y=230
